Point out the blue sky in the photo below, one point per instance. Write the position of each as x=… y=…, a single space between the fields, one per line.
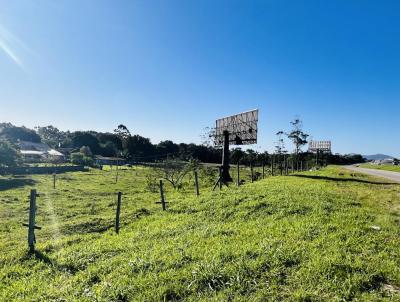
x=168 y=69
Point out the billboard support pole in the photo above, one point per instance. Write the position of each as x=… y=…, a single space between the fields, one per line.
x=226 y=177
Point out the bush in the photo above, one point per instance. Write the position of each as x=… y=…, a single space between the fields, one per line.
x=78 y=158
x=85 y=150
x=152 y=180
x=173 y=171
x=9 y=155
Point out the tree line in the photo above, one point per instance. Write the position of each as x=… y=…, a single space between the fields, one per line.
x=136 y=148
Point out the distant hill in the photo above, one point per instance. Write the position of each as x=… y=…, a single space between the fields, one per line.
x=377 y=156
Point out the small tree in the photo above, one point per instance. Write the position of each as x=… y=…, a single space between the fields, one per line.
x=174 y=171
x=77 y=158
x=298 y=137
x=122 y=131
x=280 y=143
x=125 y=137
x=280 y=148
x=206 y=137
x=85 y=150
x=9 y=155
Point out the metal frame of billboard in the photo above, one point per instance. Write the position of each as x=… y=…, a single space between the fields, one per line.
x=242 y=128
x=320 y=146
x=238 y=129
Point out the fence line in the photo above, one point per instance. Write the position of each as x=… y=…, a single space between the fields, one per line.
x=282 y=166
x=41 y=170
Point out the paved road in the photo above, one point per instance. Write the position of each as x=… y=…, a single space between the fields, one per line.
x=393 y=176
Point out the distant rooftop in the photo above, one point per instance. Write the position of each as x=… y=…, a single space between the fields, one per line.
x=30 y=148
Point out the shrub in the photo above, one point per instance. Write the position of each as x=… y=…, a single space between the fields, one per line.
x=9 y=155
x=78 y=158
x=152 y=179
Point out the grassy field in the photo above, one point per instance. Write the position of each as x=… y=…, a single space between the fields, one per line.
x=382 y=167
x=329 y=235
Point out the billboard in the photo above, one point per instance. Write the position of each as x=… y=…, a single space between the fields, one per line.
x=316 y=146
x=242 y=128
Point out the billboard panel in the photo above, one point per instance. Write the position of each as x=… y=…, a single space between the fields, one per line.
x=315 y=146
x=242 y=128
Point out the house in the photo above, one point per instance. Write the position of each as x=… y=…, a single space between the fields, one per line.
x=386 y=161
x=33 y=152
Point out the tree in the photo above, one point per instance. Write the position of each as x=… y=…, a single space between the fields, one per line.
x=85 y=150
x=168 y=147
x=51 y=135
x=139 y=147
x=249 y=157
x=200 y=152
x=109 y=149
x=124 y=135
x=263 y=157
x=280 y=143
x=280 y=148
x=9 y=155
x=79 y=158
x=237 y=155
x=13 y=133
x=122 y=131
x=339 y=159
x=106 y=138
x=80 y=139
x=173 y=171
x=206 y=137
x=298 y=137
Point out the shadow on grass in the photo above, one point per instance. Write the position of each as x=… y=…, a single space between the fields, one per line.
x=317 y=177
x=38 y=255
x=97 y=225
x=7 y=183
x=42 y=257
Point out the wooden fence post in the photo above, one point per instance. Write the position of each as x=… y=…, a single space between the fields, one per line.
x=238 y=173
x=286 y=166
x=263 y=169
x=220 y=178
x=272 y=165
x=31 y=223
x=164 y=207
x=118 y=212
x=54 y=180
x=251 y=171
x=196 y=182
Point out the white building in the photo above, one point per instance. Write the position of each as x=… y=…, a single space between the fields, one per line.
x=386 y=161
x=38 y=151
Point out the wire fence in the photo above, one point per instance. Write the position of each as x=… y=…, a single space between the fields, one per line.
x=64 y=204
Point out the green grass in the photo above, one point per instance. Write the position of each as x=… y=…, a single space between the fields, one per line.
x=310 y=237
x=382 y=167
